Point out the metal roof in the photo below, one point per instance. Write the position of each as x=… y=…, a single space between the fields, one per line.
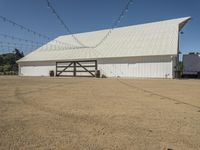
x=150 y=39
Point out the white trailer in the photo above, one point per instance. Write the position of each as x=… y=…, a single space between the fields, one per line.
x=191 y=65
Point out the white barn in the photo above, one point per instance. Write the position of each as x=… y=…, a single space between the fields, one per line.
x=147 y=50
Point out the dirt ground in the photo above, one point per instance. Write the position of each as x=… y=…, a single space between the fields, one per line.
x=99 y=114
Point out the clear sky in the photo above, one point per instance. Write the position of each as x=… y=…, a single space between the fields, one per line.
x=90 y=15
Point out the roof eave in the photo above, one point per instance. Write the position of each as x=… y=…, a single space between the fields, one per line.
x=184 y=22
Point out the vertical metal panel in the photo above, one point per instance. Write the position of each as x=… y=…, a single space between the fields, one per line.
x=146 y=67
x=37 y=68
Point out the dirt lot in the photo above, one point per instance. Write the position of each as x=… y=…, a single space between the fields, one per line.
x=99 y=114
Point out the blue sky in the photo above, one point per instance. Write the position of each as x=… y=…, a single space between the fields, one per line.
x=90 y=15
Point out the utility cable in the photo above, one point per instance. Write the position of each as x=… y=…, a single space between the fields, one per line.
x=115 y=24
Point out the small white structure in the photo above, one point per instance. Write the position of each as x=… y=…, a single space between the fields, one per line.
x=191 y=64
x=148 y=50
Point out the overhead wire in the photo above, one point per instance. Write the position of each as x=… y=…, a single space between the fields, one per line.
x=20 y=39
x=8 y=47
x=68 y=46
x=11 y=46
x=13 y=43
x=5 y=19
x=27 y=41
x=49 y=46
x=63 y=23
x=115 y=24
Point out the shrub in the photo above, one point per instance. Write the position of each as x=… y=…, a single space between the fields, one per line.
x=1 y=68
x=7 y=68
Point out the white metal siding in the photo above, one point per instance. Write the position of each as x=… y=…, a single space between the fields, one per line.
x=36 y=68
x=146 y=67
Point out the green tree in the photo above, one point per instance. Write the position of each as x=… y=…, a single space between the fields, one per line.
x=8 y=61
x=7 y=67
x=1 y=60
x=9 y=58
x=15 y=67
x=181 y=66
x=1 y=68
x=18 y=54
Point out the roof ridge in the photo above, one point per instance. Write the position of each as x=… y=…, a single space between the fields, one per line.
x=147 y=23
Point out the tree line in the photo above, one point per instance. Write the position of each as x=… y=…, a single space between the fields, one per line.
x=8 y=63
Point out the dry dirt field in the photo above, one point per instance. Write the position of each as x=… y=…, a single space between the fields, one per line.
x=99 y=114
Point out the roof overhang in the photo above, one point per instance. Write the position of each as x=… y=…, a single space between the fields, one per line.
x=184 y=22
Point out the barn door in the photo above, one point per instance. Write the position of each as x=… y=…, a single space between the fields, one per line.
x=76 y=68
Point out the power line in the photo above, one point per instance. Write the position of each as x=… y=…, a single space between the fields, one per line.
x=18 y=45
x=20 y=39
x=32 y=31
x=68 y=29
x=115 y=24
x=15 y=44
x=63 y=23
x=23 y=27
x=8 y=46
x=25 y=40
x=50 y=45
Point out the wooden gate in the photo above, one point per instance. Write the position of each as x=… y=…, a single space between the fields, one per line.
x=85 y=68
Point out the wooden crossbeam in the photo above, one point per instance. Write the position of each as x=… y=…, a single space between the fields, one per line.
x=64 y=69
x=75 y=68
x=85 y=69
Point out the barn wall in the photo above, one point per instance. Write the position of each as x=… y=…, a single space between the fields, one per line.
x=146 y=67
x=36 y=68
